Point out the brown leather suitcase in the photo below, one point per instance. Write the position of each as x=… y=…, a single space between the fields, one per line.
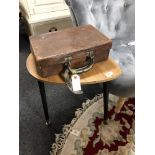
x=76 y=46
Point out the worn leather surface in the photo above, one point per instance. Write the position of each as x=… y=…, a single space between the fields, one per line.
x=51 y=49
x=116 y=19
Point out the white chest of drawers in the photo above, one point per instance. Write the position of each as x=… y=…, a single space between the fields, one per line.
x=42 y=16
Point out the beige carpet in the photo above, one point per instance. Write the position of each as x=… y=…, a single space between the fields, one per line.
x=87 y=135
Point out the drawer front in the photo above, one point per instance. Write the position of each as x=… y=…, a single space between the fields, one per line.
x=44 y=2
x=49 y=26
x=43 y=6
x=50 y=8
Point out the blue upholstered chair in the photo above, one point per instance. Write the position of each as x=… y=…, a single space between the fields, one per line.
x=116 y=19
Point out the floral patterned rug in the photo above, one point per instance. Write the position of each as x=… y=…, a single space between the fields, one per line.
x=88 y=135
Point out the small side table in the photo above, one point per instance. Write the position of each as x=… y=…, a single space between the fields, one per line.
x=101 y=72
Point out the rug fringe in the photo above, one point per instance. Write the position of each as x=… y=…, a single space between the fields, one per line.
x=61 y=138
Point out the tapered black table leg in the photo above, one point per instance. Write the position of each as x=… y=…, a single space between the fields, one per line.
x=105 y=99
x=44 y=101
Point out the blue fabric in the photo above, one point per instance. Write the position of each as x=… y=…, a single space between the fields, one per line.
x=116 y=19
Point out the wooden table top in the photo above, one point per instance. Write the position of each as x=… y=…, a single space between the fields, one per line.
x=101 y=72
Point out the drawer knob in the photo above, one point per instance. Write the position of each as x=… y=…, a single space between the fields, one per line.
x=53 y=29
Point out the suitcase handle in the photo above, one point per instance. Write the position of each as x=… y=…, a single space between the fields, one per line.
x=68 y=71
x=88 y=66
